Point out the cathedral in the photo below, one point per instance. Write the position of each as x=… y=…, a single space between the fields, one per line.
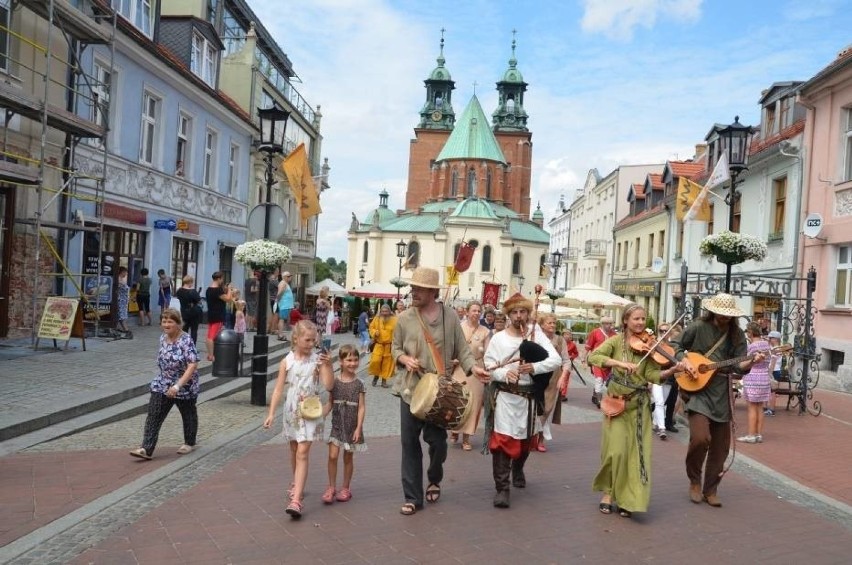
x=468 y=182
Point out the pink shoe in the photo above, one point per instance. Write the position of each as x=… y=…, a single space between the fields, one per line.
x=294 y=509
x=344 y=495
x=541 y=448
x=328 y=495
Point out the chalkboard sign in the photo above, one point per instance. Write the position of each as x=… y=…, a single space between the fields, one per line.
x=61 y=319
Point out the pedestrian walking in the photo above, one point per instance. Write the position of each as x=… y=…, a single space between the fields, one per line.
x=285 y=302
x=307 y=373
x=596 y=337
x=143 y=297
x=164 y=284
x=123 y=292
x=176 y=383
x=217 y=296
x=348 y=408
x=190 y=307
x=757 y=385
x=477 y=337
x=381 y=365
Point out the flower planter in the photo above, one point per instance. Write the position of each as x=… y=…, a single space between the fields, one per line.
x=729 y=258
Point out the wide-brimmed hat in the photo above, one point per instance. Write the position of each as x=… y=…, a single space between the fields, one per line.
x=424 y=277
x=775 y=334
x=517 y=300
x=722 y=304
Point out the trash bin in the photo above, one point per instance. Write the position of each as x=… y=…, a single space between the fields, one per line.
x=226 y=353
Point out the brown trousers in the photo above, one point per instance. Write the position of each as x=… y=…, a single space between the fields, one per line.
x=708 y=440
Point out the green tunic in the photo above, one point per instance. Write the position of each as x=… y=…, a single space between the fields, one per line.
x=625 y=471
x=713 y=400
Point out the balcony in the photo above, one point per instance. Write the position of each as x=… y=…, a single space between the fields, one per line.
x=571 y=254
x=595 y=249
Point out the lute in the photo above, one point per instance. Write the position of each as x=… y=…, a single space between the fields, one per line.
x=705 y=368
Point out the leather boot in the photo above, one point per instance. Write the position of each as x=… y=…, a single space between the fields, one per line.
x=519 y=479
x=501 y=466
x=596 y=399
x=695 y=493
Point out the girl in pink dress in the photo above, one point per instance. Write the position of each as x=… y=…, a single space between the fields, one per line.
x=756 y=385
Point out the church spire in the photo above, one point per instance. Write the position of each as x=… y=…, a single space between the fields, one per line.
x=437 y=112
x=510 y=114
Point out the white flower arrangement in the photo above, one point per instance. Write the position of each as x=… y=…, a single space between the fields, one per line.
x=732 y=247
x=554 y=294
x=399 y=282
x=262 y=254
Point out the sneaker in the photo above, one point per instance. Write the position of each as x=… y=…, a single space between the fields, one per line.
x=759 y=438
x=673 y=429
x=747 y=439
x=184 y=449
x=769 y=412
x=662 y=435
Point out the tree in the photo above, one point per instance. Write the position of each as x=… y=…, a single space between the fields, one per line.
x=331 y=262
x=321 y=270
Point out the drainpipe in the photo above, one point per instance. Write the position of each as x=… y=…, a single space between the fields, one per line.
x=796 y=152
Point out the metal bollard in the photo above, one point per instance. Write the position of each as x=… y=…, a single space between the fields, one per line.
x=226 y=353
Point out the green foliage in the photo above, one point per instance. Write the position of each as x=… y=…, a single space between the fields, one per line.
x=650 y=322
x=321 y=270
x=331 y=262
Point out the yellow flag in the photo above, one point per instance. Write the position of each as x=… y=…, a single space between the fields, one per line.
x=452 y=276
x=299 y=175
x=687 y=192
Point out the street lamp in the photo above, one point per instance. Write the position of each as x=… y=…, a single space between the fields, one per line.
x=401 y=250
x=361 y=274
x=555 y=262
x=735 y=140
x=272 y=121
x=521 y=280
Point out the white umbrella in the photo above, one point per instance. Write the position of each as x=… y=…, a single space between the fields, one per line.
x=376 y=290
x=334 y=289
x=565 y=312
x=590 y=295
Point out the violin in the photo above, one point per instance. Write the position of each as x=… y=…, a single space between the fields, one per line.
x=661 y=352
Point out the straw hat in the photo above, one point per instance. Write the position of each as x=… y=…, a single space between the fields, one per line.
x=517 y=300
x=722 y=304
x=424 y=277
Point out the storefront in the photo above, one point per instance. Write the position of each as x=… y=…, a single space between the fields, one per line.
x=646 y=293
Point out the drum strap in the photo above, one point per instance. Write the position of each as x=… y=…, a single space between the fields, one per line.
x=433 y=349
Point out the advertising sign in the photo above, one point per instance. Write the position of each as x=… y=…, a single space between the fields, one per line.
x=57 y=319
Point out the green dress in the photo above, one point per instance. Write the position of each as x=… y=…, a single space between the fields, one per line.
x=625 y=471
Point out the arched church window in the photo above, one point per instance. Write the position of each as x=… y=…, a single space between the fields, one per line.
x=486 y=259
x=471 y=183
x=366 y=255
x=488 y=183
x=413 y=254
x=516 y=263
x=454 y=183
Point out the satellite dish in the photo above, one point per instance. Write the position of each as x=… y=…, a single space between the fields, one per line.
x=277 y=221
x=813 y=225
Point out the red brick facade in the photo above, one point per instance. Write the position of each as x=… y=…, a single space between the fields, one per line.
x=24 y=282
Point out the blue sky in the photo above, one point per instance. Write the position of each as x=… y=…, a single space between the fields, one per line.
x=611 y=82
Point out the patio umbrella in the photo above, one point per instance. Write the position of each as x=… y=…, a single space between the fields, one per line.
x=590 y=295
x=375 y=290
x=334 y=289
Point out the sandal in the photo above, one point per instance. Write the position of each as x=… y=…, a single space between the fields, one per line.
x=294 y=509
x=433 y=493
x=328 y=495
x=454 y=436
x=605 y=508
x=625 y=513
x=466 y=445
x=408 y=509
x=291 y=491
x=140 y=453
x=344 y=495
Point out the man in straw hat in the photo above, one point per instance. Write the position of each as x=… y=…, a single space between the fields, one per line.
x=415 y=352
x=717 y=336
x=510 y=414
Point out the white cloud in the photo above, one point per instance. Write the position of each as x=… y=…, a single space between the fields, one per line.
x=618 y=18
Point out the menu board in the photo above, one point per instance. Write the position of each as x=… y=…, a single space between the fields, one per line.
x=58 y=317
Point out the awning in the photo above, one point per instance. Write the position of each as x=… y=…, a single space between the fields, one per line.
x=377 y=290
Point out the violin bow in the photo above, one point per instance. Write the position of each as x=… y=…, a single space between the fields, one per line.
x=662 y=337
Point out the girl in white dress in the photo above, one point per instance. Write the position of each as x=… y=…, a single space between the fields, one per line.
x=307 y=373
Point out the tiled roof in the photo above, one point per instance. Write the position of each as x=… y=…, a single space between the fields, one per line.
x=630 y=220
x=638 y=190
x=687 y=169
x=656 y=181
x=759 y=145
x=472 y=137
x=843 y=58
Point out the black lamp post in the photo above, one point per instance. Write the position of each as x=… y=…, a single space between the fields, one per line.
x=361 y=274
x=555 y=262
x=273 y=123
x=735 y=139
x=401 y=250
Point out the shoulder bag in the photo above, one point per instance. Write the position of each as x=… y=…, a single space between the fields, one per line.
x=310 y=407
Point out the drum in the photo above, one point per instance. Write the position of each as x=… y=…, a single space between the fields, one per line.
x=440 y=401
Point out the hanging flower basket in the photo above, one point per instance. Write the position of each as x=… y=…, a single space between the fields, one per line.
x=554 y=294
x=262 y=254
x=733 y=248
x=399 y=282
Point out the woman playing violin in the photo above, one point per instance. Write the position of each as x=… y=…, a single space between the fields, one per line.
x=625 y=473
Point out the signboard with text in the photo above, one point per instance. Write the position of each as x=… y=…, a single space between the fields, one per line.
x=57 y=319
x=636 y=288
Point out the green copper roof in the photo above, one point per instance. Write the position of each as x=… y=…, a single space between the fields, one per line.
x=413 y=223
x=440 y=72
x=538 y=214
x=527 y=231
x=512 y=74
x=449 y=206
x=474 y=208
x=472 y=138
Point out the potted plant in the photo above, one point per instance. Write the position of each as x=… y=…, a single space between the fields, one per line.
x=262 y=254
x=733 y=248
x=399 y=282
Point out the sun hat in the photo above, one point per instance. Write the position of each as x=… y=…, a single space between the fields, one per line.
x=606 y=320
x=775 y=334
x=425 y=277
x=517 y=300
x=723 y=305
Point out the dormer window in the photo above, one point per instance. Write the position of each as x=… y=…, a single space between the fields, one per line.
x=138 y=13
x=204 y=59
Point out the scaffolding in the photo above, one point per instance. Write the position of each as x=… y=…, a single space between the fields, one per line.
x=71 y=29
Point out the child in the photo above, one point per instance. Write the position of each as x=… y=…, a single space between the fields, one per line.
x=307 y=373
x=240 y=319
x=347 y=422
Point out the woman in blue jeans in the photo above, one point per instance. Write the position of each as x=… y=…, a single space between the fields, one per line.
x=364 y=330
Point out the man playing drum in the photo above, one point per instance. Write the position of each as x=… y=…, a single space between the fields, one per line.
x=426 y=339
x=512 y=420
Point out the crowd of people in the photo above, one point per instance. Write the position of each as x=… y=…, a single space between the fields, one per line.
x=512 y=367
